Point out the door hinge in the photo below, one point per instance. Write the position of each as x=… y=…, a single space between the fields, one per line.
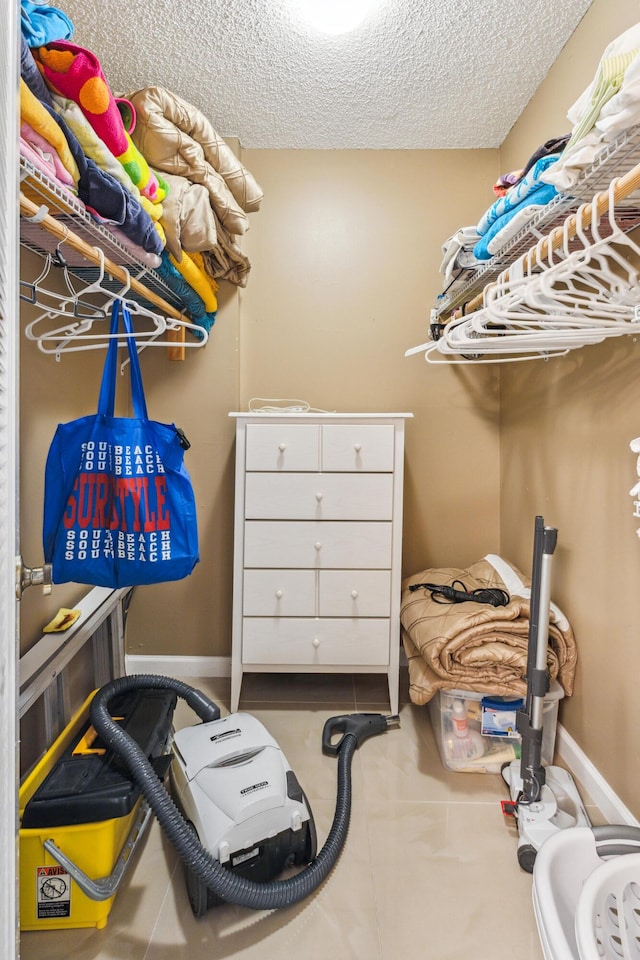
x=33 y=577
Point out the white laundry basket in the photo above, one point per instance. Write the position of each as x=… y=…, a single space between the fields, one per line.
x=562 y=863
x=607 y=924
x=588 y=907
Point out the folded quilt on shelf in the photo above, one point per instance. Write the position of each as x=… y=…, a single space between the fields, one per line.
x=38 y=116
x=74 y=72
x=49 y=161
x=462 y=241
x=609 y=106
x=177 y=138
x=41 y=23
x=508 y=225
x=31 y=75
x=105 y=197
x=187 y=218
x=194 y=304
x=510 y=213
x=44 y=161
x=94 y=148
x=226 y=261
x=476 y=646
x=195 y=275
x=515 y=197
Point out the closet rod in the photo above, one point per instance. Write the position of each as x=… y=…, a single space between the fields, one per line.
x=624 y=187
x=58 y=230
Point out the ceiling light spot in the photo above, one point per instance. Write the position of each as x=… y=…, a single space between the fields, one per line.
x=335 y=16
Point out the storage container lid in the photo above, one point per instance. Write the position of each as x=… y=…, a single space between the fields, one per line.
x=555 y=692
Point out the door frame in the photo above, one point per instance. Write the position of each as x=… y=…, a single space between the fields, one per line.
x=9 y=525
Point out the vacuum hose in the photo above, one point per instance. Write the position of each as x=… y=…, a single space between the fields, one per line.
x=227 y=885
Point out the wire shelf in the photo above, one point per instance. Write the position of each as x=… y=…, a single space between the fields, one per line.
x=613 y=160
x=71 y=213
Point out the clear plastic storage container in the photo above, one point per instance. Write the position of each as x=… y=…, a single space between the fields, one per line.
x=476 y=733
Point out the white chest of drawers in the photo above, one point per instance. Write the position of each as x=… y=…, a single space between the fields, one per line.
x=318 y=540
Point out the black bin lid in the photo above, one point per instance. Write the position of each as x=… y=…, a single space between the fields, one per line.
x=87 y=787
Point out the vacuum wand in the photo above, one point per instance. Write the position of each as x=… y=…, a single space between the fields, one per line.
x=529 y=723
x=543 y=799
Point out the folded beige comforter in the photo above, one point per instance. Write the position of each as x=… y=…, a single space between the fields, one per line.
x=476 y=646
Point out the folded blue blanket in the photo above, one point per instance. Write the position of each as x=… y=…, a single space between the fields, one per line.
x=31 y=75
x=516 y=195
x=42 y=24
x=107 y=199
x=536 y=198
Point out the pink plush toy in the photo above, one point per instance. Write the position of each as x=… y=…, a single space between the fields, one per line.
x=76 y=73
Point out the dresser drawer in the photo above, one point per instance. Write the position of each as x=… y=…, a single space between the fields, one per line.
x=320 y=496
x=283 y=446
x=354 y=593
x=314 y=544
x=279 y=593
x=358 y=447
x=315 y=642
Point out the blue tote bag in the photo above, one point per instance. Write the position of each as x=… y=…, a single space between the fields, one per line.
x=119 y=508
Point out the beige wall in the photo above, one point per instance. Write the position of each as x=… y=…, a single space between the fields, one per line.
x=565 y=431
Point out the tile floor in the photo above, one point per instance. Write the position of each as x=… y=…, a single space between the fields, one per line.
x=429 y=869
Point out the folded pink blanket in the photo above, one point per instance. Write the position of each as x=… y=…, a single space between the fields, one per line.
x=50 y=162
x=76 y=73
x=43 y=161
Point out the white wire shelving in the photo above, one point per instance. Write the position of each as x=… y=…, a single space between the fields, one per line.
x=613 y=160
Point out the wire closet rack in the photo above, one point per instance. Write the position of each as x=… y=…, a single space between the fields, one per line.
x=51 y=216
x=614 y=160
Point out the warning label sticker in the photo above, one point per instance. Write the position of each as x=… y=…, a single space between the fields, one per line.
x=53 y=893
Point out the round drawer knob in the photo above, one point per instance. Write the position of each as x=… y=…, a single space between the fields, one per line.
x=282 y=447
x=357 y=447
x=279 y=594
x=316 y=642
x=318 y=545
x=319 y=496
x=354 y=594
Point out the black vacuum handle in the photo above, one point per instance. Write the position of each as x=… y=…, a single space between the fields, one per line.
x=358 y=725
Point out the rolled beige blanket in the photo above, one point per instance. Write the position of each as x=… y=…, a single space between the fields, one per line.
x=476 y=646
x=175 y=137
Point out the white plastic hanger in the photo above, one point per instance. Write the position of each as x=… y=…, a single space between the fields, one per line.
x=81 y=332
x=66 y=340
x=573 y=302
x=546 y=305
x=74 y=303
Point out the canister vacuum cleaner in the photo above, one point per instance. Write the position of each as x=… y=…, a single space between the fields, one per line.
x=240 y=816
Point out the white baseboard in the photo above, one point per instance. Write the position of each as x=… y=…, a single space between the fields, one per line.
x=179 y=666
x=612 y=807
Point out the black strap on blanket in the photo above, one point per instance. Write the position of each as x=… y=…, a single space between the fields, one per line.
x=441 y=593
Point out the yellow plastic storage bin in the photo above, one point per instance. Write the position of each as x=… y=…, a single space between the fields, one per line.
x=69 y=874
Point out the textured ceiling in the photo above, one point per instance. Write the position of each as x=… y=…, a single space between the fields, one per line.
x=418 y=74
